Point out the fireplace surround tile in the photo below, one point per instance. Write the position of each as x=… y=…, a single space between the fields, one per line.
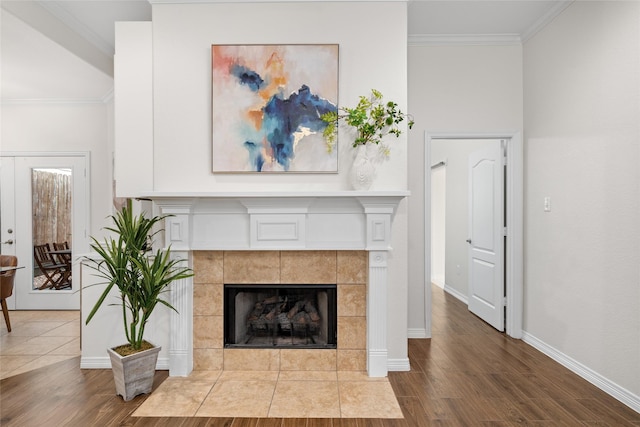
x=352 y=267
x=346 y=268
x=352 y=360
x=352 y=300
x=207 y=267
x=308 y=360
x=208 y=331
x=207 y=299
x=251 y=267
x=249 y=359
x=319 y=267
x=208 y=359
x=352 y=333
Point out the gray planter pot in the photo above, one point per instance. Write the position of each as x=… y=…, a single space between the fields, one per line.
x=133 y=374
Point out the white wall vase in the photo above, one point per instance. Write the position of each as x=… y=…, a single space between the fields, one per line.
x=133 y=374
x=362 y=170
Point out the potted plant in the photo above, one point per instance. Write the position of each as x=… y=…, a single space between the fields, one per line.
x=141 y=278
x=373 y=119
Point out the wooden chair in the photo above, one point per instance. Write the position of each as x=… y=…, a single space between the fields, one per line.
x=65 y=259
x=6 y=284
x=62 y=258
x=53 y=270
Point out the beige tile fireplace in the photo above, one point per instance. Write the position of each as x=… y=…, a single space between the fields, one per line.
x=337 y=237
x=347 y=269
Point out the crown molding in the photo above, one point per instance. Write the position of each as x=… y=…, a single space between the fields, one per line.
x=464 y=39
x=54 y=101
x=152 y=2
x=57 y=10
x=546 y=19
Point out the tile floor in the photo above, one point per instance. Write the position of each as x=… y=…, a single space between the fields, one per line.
x=273 y=394
x=41 y=338
x=37 y=339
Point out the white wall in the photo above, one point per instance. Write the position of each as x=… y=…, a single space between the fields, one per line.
x=459 y=90
x=582 y=149
x=182 y=39
x=66 y=127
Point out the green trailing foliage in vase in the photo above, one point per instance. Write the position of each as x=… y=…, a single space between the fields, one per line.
x=372 y=118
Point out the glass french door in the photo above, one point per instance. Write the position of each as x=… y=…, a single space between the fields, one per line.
x=45 y=203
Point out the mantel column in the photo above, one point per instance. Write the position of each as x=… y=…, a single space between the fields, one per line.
x=177 y=236
x=379 y=215
x=377 y=360
x=181 y=323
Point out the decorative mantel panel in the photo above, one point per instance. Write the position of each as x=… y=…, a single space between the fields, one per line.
x=280 y=221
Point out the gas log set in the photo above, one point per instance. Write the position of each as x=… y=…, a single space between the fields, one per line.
x=282 y=317
x=299 y=318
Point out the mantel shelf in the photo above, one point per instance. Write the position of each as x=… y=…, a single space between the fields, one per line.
x=158 y=195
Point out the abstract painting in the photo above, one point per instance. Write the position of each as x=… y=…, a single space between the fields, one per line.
x=266 y=106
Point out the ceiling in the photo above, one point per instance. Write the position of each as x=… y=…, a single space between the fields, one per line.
x=33 y=33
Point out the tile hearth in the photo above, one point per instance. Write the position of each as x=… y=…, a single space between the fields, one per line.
x=273 y=394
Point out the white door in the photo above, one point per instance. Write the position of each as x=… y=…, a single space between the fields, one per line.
x=486 y=235
x=18 y=213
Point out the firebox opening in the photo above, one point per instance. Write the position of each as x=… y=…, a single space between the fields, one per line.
x=282 y=316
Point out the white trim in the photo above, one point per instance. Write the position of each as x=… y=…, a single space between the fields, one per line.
x=464 y=40
x=57 y=101
x=152 y=2
x=545 y=19
x=86 y=154
x=456 y=294
x=514 y=262
x=515 y=213
x=427 y=235
x=60 y=12
x=398 y=365
x=105 y=363
x=611 y=388
x=417 y=333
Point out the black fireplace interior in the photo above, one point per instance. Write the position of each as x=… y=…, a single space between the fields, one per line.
x=281 y=316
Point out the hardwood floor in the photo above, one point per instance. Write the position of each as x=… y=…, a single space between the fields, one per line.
x=467 y=375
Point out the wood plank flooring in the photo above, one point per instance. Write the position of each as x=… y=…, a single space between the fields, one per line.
x=467 y=375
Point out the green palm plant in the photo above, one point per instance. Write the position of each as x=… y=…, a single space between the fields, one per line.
x=140 y=277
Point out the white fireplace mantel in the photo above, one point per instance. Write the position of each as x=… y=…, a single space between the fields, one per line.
x=314 y=220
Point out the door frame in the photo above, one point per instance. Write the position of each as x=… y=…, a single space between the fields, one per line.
x=82 y=241
x=514 y=209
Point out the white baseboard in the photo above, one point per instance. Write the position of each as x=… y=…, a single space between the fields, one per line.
x=604 y=384
x=398 y=365
x=95 y=363
x=417 y=333
x=457 y=294
x=438 y=281
x=105 y=363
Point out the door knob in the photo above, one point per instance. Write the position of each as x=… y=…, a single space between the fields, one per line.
x=469 y=241
x=9 y=242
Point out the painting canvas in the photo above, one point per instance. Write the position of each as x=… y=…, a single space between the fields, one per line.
x=266 y=105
